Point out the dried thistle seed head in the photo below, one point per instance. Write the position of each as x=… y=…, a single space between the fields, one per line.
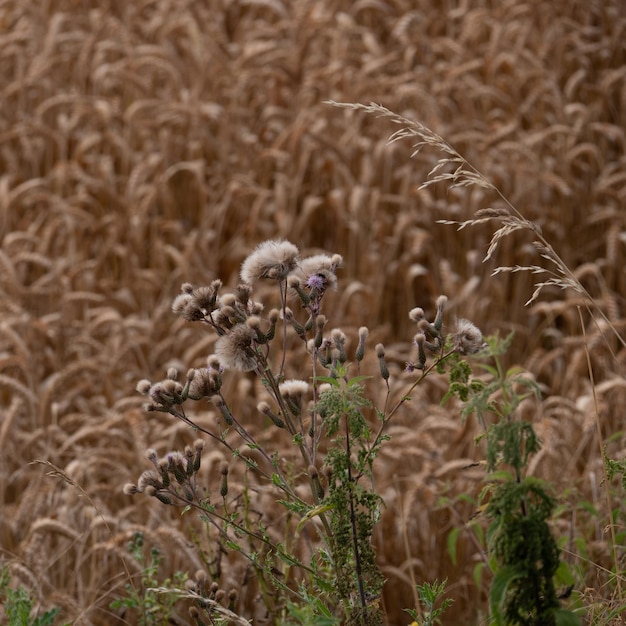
x=338 y=337
x=254 y=322
x=360 y=350
x=172 y=388
x=467 y=338
x=144 y=386
x=198 y=445
x=218 y=401
x=228 y=299
x=228 y=312
x=293 y=388
x=186 y=288
x=224 y=480
x=312 y=264
x=235 y=350
x=205 y=383
x=427 y=328
x=130 y=489
x=272 y=259
x=177 y=465
x=151 y=455
x=149 y=478
x=416 y=314
x=187 y=307
x=320 y=322
x=172 y=373
x=380 y=354
x=243 y=293
x=213 y=363
x=206 y=297
x=420 y=340
x=273 y=316
x=220 y=320
x=441 y=303
x=159 y=396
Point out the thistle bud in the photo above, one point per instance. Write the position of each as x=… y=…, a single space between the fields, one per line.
x=339 y=340
x=143 y=386
x=416 y=314
x=224 y=481
x=419 y=340
x=218 y=401
x=441 y=303
x=264 y=407
x=360 y=350
x=232 y=599
x=380 y=354
x=320 y=322
x=315 y=479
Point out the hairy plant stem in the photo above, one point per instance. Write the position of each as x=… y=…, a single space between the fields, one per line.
x=355 y=538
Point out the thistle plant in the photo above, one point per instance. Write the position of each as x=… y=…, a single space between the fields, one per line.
x=322 y=558
x=327 y=491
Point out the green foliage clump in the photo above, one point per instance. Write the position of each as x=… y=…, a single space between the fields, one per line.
x=19 y=605
x=523 y=551
x=150 y=607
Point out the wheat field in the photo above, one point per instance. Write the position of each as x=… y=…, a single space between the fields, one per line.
x=148 y=143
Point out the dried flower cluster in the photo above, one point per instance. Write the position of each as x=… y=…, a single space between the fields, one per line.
x=243 y=332
x=466 y=339
x=172 y=481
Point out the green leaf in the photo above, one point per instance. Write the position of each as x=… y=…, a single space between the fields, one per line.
x=562 y=617
x=499 y=586
x=452 y=541
x=318 y=510
x=287 y=558
x=477 y=574
x=357 y=379
x=326 y=379
x=500 y=476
